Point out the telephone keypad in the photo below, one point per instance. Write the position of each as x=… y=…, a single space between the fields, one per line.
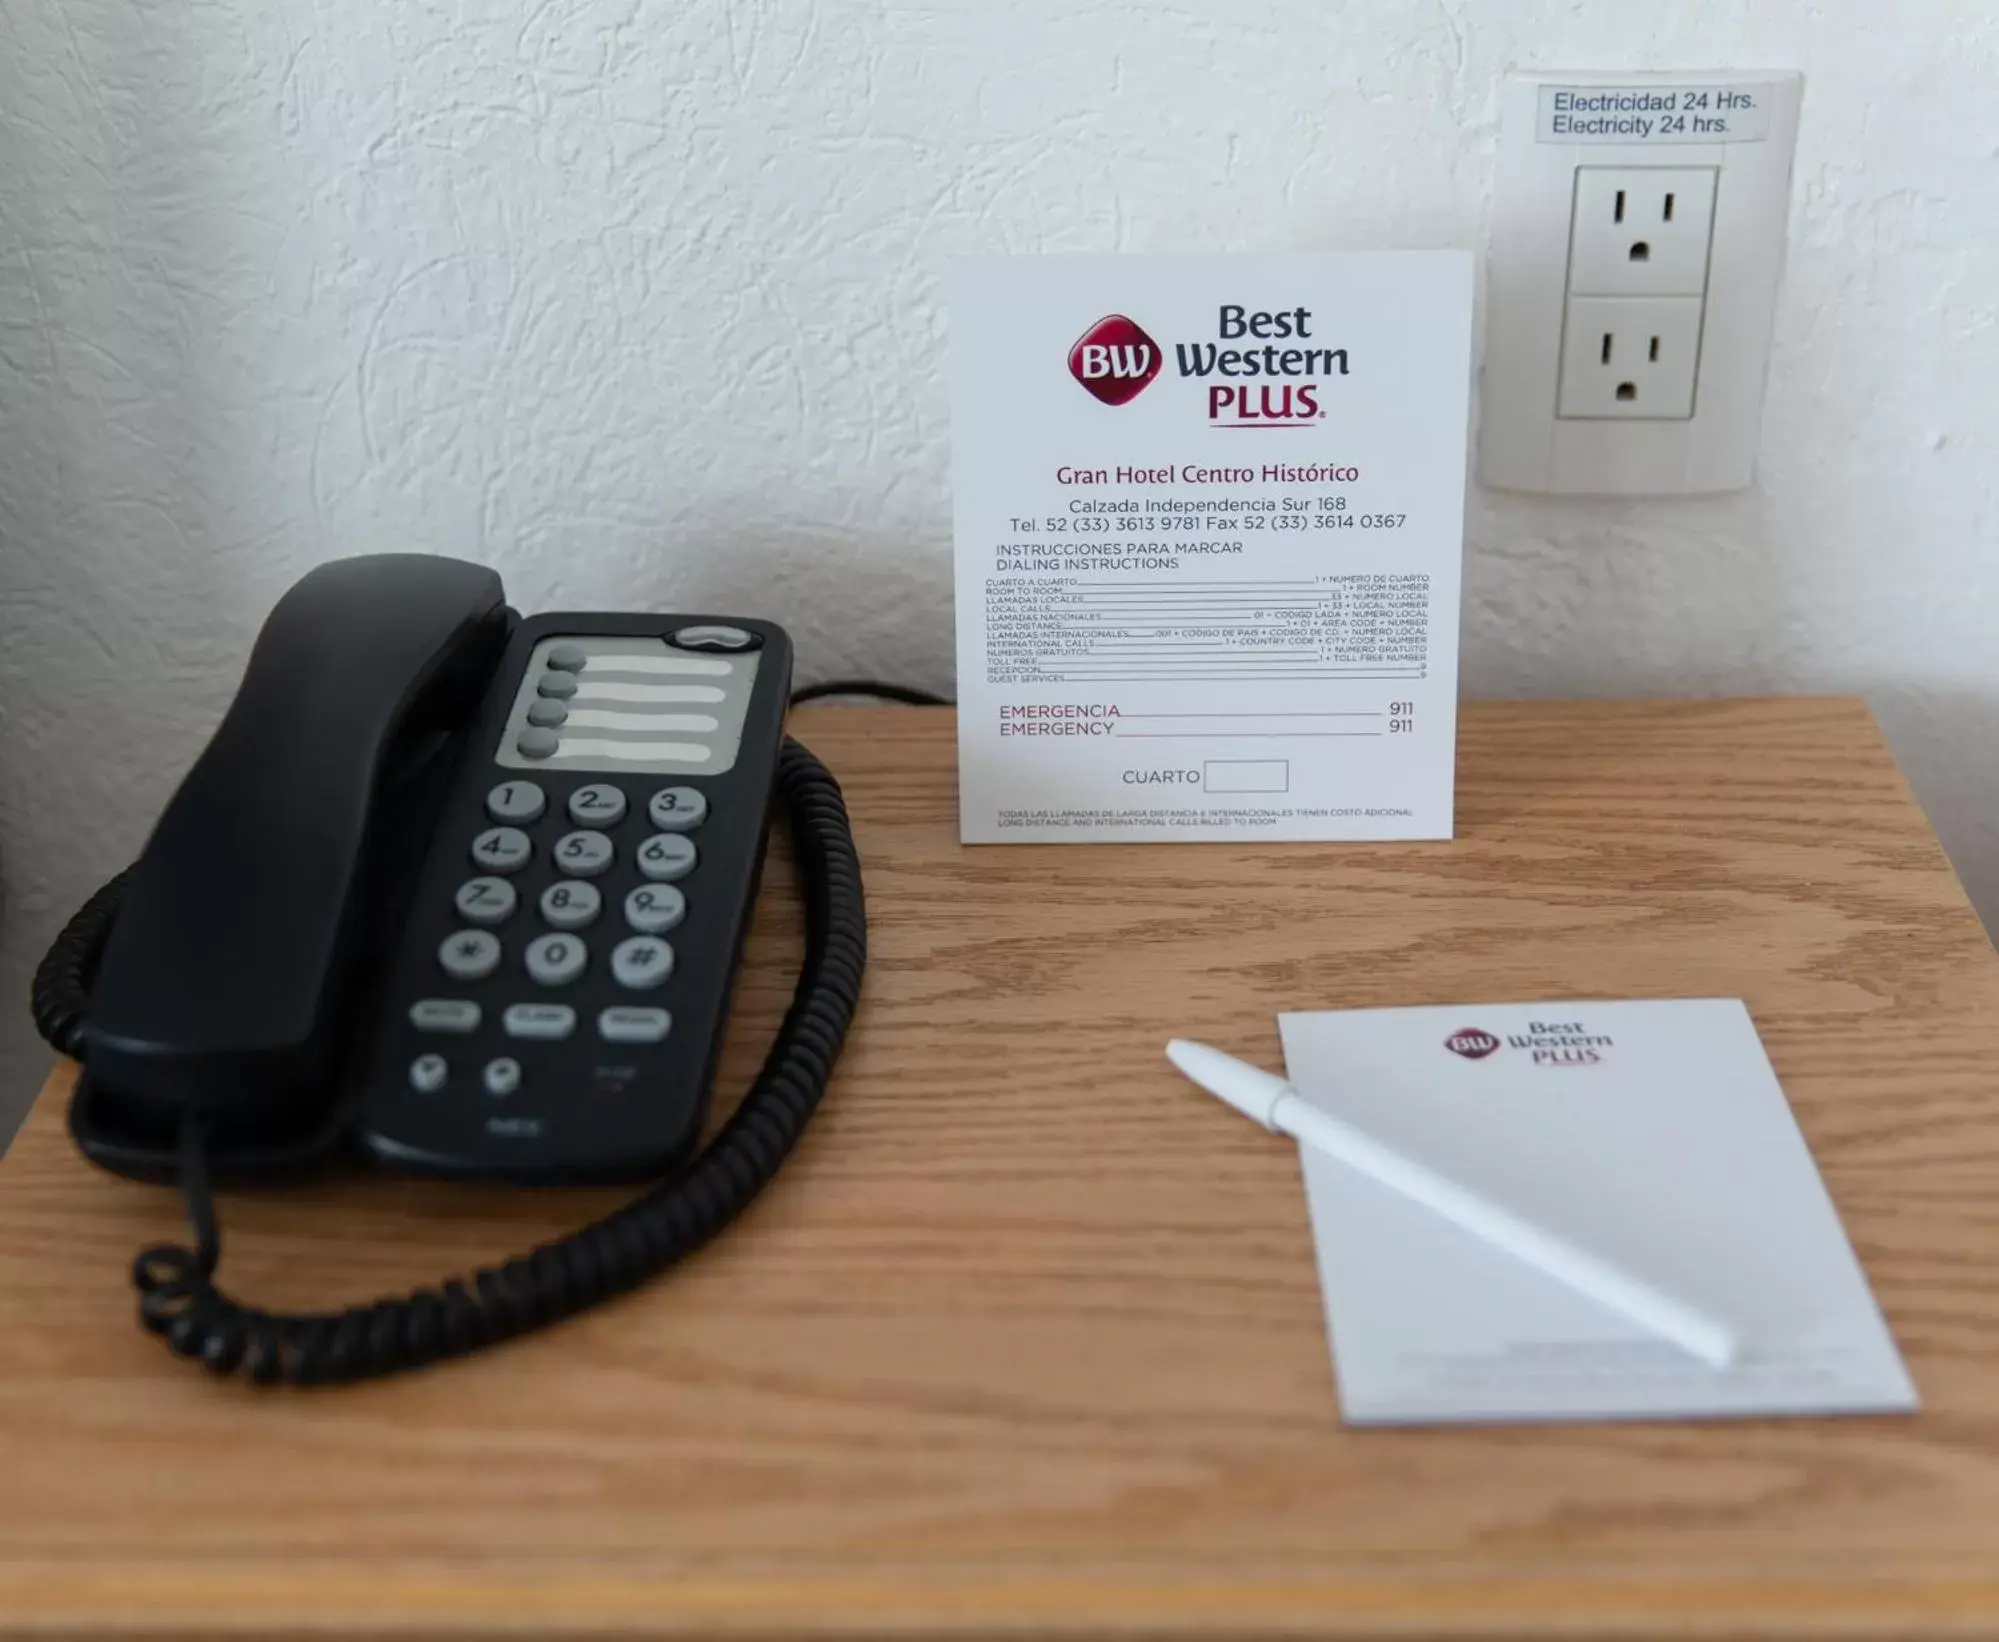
x=549 y=1021
x=598 y=805
x=485 y=900
x=520 y=801
x=469 y=955
x=666 y=856
x=678 y=809
x=575 y=931
x=556 y=960
x=653 y=909
x=571 y=905
x=502 y=849
x=444 y=1015
x=583 y=854
x=640 y=961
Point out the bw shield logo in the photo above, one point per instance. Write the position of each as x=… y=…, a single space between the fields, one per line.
x=1114 y=359
x=1473 y=1042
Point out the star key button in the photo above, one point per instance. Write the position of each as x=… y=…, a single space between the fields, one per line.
x=470 y=955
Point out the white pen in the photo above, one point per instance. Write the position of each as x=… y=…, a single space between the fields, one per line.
x=1277 y=1105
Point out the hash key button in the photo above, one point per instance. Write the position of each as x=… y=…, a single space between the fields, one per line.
x=641 y=961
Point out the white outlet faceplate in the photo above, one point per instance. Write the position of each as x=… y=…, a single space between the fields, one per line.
x=1637 y=240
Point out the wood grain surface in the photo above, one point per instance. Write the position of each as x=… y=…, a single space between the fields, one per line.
x=1027 y=1336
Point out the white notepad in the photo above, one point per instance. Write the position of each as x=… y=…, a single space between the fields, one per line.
x=1652 y=1134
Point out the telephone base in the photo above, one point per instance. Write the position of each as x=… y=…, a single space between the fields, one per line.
x=128 y=1139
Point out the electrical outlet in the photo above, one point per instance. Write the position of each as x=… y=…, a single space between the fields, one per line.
x=1629 y=207
x=1641 y=230
x=1630 y=356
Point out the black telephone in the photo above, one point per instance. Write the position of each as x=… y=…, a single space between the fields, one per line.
x=464 y=894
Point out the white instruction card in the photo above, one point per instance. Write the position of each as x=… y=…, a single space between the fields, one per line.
x=1209 y=530
x=1653 y=1136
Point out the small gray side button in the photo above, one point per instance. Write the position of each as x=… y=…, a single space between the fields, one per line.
x=568 y=658
x=559 y=686
x=633 y=1025
x=538 y=743
x=548 y=714
x=715 y=638
x=444 y=1015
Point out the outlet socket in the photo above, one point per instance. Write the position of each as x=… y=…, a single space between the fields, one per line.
x=1633 y=357
x=1720 y=145
x=1641 y=230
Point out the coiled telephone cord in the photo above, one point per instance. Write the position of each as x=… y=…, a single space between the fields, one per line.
x=180 y=1300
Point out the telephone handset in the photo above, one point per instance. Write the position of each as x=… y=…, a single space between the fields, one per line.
x=466 y=893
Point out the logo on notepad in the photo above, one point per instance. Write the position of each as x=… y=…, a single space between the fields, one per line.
x=1473 y=1042
x=1114 y=359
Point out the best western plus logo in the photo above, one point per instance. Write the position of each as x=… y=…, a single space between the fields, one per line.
x=1473 y=1042
x=1265 y=380
x=1114 y=359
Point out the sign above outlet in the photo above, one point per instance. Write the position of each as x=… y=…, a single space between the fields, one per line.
x=1638 y=234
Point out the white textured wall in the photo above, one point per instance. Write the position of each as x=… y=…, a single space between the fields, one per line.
x=637 y=299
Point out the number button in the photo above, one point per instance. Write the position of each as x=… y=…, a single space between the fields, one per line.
x=571 y=906
x=641 y=961
x=656 y=909
x=556 y=960
x=598 y=805
x=520 y=801
x=485 y=900
x=678 y=809
x=666 y=856
x=470 y=955
x=502 y=849
x=583 y=854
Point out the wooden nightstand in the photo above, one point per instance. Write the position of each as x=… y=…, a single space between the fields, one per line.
x=1027 y=1335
